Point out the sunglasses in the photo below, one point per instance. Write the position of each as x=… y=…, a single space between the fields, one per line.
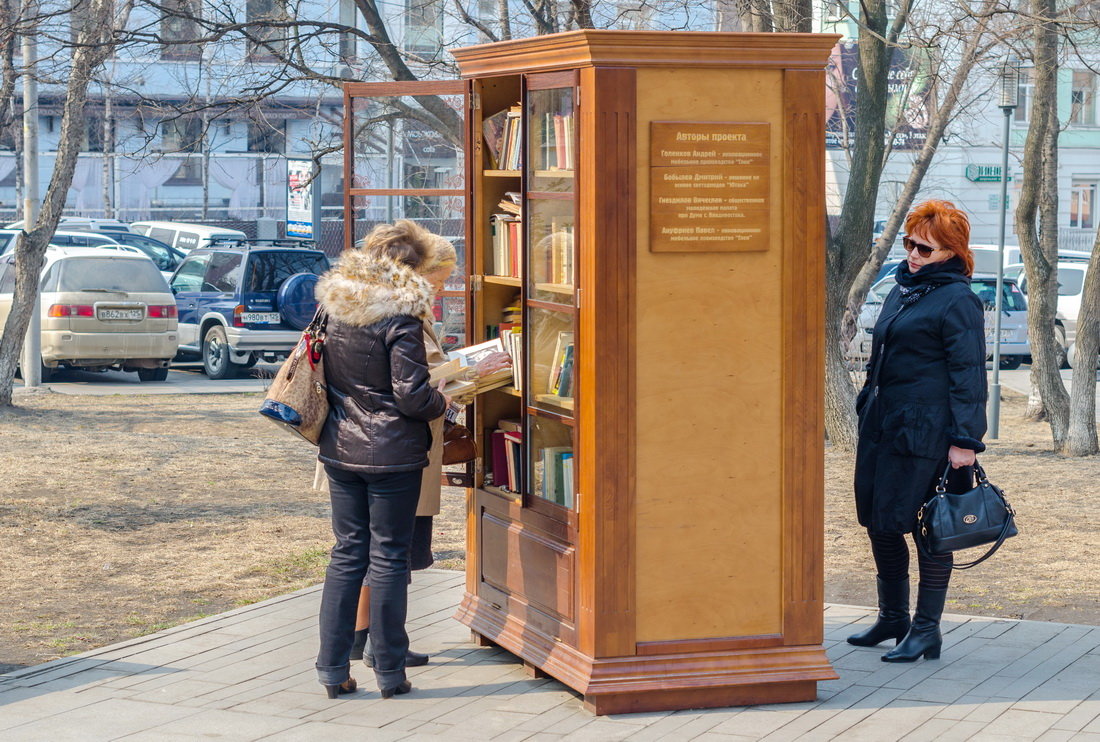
x=923 y=250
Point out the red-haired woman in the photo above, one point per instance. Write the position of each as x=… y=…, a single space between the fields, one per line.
x=922 y=407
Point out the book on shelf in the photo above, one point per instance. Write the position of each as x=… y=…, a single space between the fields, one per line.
x=556 y=142
x=512 y=203
x=506 y=449
x=567 y=477
x=558 y=267
x=493 y=128
x=553 y=484
x=507 y=236
x=513 y=454
x=563 y=352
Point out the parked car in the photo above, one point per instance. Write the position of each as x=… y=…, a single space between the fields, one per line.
x=65 y=238
x=243 y=300
x=83 y=224
x=7 y=240
x=165 y=256
x=185 y=237
x=100 y=310
x=1015 y=348
x=1071 y=284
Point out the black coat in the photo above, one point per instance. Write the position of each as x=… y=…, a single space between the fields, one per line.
x=376 y=367
x=925 y=392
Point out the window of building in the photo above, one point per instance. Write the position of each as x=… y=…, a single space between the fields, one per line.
x=423 y=26
x=265 y=41
x=1082 y=205
x=1082 y=101
x=835 y=10
x=1026 y=87
x=183 y=134
x=93 y=133
x=265 y=136
x=180 y=23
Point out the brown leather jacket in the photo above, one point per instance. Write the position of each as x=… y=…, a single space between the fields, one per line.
x=376 y=367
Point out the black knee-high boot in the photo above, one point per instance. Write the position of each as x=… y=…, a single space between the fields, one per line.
x=893 y=615
x=924 y=635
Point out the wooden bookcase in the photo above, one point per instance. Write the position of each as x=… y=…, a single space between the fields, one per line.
x=671 y=188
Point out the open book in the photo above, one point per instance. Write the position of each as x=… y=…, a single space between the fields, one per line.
x=459 y=374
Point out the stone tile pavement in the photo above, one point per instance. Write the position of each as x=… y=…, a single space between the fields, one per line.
x=248 y=675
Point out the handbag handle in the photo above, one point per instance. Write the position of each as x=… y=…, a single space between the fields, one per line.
x=942 y=488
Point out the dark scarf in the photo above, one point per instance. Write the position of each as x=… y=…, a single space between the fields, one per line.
x=914 y=286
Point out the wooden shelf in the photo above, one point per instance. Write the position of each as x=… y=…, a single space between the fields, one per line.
x=501 y=173
x=556 y=288
x=565 y=403
x=504 y=280
x=554 y=173
x=501 y=492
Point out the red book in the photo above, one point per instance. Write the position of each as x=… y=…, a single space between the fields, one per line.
x=500 y=458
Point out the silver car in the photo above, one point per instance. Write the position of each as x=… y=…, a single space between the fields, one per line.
x=1015 y=347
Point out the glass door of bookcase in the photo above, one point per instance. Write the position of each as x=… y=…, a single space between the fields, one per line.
x=405 y=149
x=550 y=311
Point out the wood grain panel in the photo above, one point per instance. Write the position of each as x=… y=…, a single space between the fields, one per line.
x=642 y=49
x=803 y=358
x=605 y=400
x=709 y=329
x=519 y=559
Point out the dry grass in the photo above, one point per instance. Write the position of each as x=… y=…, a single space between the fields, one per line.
x=124 y=515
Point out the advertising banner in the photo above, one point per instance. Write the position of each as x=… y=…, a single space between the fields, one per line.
x=299 y=199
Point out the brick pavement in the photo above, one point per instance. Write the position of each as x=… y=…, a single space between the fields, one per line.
x=248 y=675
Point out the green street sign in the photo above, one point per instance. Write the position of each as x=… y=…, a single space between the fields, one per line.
x=984 y=173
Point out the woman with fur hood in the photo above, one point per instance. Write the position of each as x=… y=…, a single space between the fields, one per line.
x=375 y=444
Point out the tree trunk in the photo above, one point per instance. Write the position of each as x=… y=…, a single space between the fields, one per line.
x=1038 y=243
x=1081 y=435
x=95 y=43
x=848 y=246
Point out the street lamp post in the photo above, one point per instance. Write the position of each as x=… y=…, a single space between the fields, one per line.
x=1010 y=94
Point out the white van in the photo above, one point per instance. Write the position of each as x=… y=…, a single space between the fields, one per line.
x=985 y=257
x=185 y=237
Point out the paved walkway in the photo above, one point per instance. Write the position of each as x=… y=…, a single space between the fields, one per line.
x=248 y=675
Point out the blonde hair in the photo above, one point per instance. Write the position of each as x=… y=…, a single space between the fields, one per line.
x=445 y=256
x=402 y=242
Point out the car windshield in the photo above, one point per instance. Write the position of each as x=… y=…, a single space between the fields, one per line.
x=878 y=292
x=268 y=270
x=110 y=274
x=986 y=290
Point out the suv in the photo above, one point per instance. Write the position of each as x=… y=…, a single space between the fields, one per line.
x=240 y=300
x=100 y=310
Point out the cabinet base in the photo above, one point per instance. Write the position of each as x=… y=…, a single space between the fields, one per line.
x=658 y=682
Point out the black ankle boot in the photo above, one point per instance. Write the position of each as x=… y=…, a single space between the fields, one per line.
x=893 y=615
x=360 y=643
x=924 y=635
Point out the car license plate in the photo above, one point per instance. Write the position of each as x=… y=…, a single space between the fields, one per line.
x=1006 y=334
x=129 y=314
x=261 y=318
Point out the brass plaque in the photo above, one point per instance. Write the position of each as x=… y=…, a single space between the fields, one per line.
x=709 y=186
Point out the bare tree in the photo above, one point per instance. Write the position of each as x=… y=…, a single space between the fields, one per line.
x=94 y=42
x=1037 y=220
x=1081 y=435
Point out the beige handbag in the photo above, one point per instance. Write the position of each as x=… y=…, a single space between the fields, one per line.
x=298 y=397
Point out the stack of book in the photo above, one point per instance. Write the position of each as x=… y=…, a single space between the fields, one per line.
x=558 y=267
x=556 y=142
x=457 y=372
x=553 y=475
x=507 y=233
x=559 y=388
x=506 y=447
x=501 y=132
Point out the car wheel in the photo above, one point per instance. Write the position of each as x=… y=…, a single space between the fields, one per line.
x=1063 y=355
x=1010 y=363
x=215 y=354
x=152 y=374
x=253 y=359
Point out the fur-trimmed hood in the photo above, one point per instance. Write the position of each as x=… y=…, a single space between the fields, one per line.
x=362 y=290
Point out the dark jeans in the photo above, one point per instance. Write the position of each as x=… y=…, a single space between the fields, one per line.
x=372 y=519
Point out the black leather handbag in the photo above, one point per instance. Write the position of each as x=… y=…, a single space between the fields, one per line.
x=951 y=522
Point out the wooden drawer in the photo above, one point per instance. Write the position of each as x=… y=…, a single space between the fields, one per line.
x=526 y=563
